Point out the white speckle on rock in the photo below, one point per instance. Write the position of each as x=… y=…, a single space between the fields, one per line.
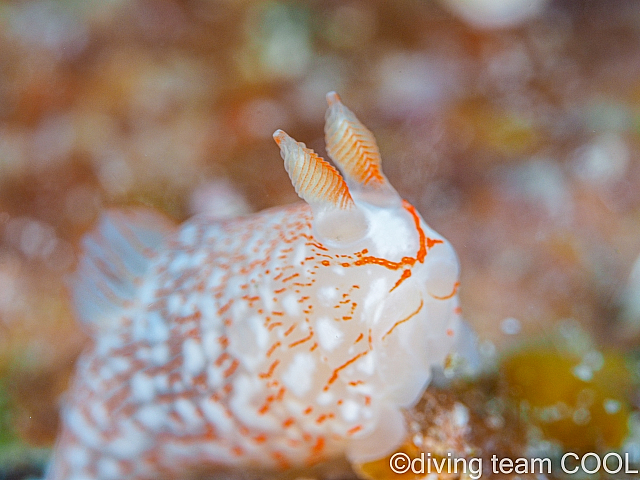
x=583 y=372
x=611 y=406
x=594 y=360
x=510 y=326
x=460 y=414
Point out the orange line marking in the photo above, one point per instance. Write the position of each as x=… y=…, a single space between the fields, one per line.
x=334 y=376
x=237 y=451
x=318 y=246
x=288 y=422
x=269 y=372
x=324 y=417
x=447 y=297
x=425 y=244
x=318 y=447
x=290 y=277
x=404 y=320
x=406 y=274
x=225 y=307
x=220 y=360
x=306 y=339
x=272 y=349
x=232 y=368
x=281 y=459
x=422 y=252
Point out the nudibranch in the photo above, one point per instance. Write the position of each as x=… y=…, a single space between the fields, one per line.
x=277 y=340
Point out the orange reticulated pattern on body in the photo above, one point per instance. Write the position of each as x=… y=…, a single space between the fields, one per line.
x=230 y=340
x=425 y=243
x=180 y=374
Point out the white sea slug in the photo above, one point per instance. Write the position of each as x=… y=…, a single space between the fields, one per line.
x=275 y=340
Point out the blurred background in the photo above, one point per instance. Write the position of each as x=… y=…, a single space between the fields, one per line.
x=513 y=126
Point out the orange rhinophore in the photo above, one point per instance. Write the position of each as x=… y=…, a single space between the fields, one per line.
x=351 y=145
x=315 y=181
x=277 y=340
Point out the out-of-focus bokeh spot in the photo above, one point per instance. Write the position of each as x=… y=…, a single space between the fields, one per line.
x=571 y=391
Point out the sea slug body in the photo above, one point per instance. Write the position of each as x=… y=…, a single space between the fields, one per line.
x=275 y=340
